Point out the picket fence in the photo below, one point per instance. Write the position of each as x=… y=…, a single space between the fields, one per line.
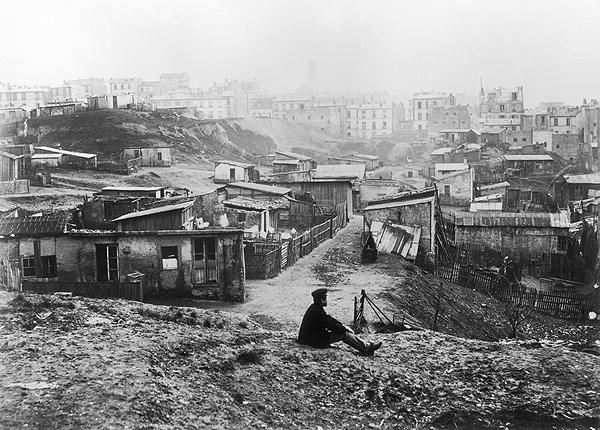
x=559 y=304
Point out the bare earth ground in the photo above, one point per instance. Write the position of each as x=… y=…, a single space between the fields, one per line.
x=84 y=363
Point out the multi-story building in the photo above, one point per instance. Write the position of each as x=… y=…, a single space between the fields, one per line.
x=19 y=96
x=329 y=119
x=125 y=86
x=449 y=117
x=559 y=120
x=422 y=104
x=66 y=93
x=90 y=86
x=369 y=121
x=502 y=107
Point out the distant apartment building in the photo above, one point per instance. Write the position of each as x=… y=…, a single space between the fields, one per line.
x=559 y=120
x=449 y=117
x=91 y=87
x=65 y=93
x=125 y=85
x=12 y=96
x=261 y=107
x=502 y=107
x=329 y=119
x=422 y=104
x=369 y=121
x=205 y=105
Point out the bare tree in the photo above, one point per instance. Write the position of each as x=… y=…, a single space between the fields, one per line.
x=517 y=311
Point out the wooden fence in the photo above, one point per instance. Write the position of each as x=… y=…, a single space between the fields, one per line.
x=559 y=304
x=266 y=258
x=10 y=276
x=100 y=290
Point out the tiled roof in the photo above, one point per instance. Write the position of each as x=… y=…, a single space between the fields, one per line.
x=49 y=224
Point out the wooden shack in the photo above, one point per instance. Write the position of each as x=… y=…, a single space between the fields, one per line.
x=172 y=217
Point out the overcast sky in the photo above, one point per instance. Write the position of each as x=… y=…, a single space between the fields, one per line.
x=552 y=48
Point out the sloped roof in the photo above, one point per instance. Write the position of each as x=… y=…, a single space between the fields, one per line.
x=48 y=224
x=270 y=189
x=512 y=219
x=286 y=161
x=441 y=151
x=403 y=199
x=340 y=171
x=45 y=155
x=247 y=203
x=400 y=203
x=9 y=155
x=528 y=157
x=590 y=178
x=233 y=163
x=493 y=186
x=62 y=151
x=453 y=174
x=131 y=189
x=364 y=156
x=451 y=166
x=154 y=211
x=293 y=155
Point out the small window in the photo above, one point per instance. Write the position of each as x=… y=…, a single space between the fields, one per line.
x=159 y=156
x=241 y=217
x=29 y=267
x=524 y=139
x=169 y=256
x=384 y=125
x=447 y=190
x=562 y=243
x=568 y=121
x=556 y=121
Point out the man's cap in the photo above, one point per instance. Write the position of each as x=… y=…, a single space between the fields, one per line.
x=319 y=293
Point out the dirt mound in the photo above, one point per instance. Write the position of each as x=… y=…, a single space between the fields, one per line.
x=107 y=132
x=85 y=363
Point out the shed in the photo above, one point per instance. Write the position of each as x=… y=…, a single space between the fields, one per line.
x=46 y=159
x=151 y=156
x=11 y=166
x=172 y=217
x=233 y=171
x=82 y=159
x=255 y=191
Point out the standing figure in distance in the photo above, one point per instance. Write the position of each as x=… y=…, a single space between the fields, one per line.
x=320 y=330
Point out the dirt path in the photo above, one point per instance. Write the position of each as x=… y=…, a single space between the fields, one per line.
x=280 y=303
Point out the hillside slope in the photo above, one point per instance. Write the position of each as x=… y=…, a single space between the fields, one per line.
x=85 y=363
x=108 y=131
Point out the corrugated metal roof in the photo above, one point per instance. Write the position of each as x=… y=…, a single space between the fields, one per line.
x=34 y=225
x=340 y=171
x=590 y=178
x=528 y=157
x=154 y=211
x=62 y=151
x=513 y=219
x=270 y=189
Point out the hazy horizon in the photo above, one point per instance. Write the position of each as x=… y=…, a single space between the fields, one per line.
x=549 y=48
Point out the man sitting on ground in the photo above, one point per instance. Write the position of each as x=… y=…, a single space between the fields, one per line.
x=321 y=330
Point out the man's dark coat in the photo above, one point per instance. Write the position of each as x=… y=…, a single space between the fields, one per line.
x=317 y=327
